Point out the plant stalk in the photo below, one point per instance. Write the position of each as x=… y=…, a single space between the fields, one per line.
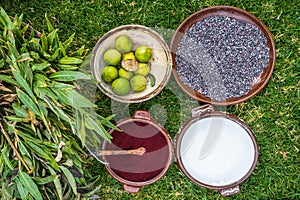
x=15 y=149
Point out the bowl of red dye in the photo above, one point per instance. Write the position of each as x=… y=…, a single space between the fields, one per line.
x=222 y=55
x=136 y=171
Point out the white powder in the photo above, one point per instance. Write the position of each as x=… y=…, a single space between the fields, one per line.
x=231 y=157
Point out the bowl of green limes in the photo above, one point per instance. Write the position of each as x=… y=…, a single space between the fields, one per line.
x=132 y=63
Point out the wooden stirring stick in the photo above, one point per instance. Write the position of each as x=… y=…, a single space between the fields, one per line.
x=139 y=151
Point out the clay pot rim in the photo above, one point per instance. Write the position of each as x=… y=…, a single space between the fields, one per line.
x=169 y=143
x=231 y=12
x=187 y=124
x=142 y=29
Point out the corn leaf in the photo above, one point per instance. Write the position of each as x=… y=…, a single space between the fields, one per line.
x=30 y=185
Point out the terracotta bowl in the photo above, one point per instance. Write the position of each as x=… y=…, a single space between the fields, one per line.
x=241 y=15
x=216 y=150
x=161 y=63
x=136 y=171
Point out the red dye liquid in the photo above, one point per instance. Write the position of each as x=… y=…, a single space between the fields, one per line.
x=137 y=168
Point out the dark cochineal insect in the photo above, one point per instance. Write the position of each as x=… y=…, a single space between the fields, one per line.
x=221 y=57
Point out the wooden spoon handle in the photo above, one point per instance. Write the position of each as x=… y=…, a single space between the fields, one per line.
x=139 y=151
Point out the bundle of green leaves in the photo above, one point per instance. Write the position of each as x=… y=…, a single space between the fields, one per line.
x=45 y=123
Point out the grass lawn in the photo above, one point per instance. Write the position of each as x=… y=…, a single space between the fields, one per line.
x=273 y=114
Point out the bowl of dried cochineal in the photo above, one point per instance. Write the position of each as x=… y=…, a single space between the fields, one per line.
x=222 y=55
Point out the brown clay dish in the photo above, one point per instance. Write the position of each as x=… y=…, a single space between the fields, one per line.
x=232 y=160
x=136 y=171
x=230 y=12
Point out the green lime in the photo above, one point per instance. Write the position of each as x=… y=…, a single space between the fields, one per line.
x=138 y=83
x=124 y=44
x=120 y=86
x=109 y=73
x=129 y=62
x=143 y=53
x=143 y=69
x=112 y=57
x=124 y=73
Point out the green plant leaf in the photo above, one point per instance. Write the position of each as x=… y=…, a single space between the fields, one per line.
x=6 y=19
x=68 y=67
x=8 y=79
x=58 y=85
x=70 y=178
x=28 y=102
x=22 y=82
x=23 y=149
x=56 y=55
x=42 y=92
x=97 y=127
x=13 y=118
x=1 y=63
x=57 y=183
x=42 y=153
x=70 y=60
x=60 y=113
x=62 y=49
x=73 y=98
x=30 y=185
x=44 y=41
x=45 y=180
x=18 y=110
x=40 y=66
x=7 y=161
x=66 y=76
x=43 y=108
x=22 y=191
x=35 y=44
x=49 y=24
x=50 y=39
x=68 y=42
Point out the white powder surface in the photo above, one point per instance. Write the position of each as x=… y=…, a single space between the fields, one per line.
x=230 y=159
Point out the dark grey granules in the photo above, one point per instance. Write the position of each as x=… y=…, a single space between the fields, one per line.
x=221 y=57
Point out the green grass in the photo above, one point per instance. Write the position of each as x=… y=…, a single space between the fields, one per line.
x=273 y=114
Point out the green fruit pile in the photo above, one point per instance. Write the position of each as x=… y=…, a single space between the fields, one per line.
x=127 y=69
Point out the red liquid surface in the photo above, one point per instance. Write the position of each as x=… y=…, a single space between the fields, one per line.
x=137 y=168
